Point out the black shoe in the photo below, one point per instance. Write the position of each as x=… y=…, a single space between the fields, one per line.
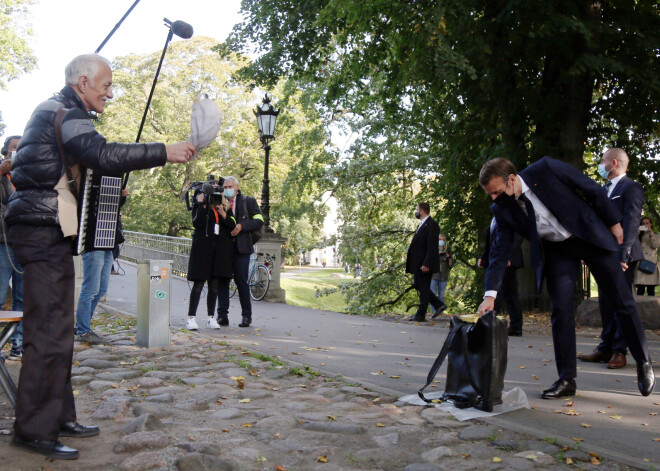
x=645 y=378
x=561 y=388
x=515 y=333
x=417 y=319
x=223 y=321
x=74 y=429
x=439 y=311
x=246 y=322
x=52 y=449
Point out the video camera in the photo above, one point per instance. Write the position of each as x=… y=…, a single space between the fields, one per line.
x=212 y=190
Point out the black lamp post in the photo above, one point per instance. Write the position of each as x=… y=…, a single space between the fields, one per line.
x=266 y=118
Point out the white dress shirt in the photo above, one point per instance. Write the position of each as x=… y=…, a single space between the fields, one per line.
x=613 y=182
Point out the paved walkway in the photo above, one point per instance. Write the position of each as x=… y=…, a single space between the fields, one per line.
x=609 y=414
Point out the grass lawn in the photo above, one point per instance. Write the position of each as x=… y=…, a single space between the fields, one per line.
x=300 y=289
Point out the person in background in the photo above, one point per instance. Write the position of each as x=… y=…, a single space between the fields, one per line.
x=440 y=280
x=248 y=219
x=650 y=243
x=210 y=257
x=9 y=266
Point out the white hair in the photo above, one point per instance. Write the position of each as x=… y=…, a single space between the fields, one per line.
x=83 y=65
x=232 y=179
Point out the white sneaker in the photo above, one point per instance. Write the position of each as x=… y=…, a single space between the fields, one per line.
x=191 y=324
x=212 y=323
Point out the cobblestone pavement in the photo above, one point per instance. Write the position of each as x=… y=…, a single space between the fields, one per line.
x=204 y=404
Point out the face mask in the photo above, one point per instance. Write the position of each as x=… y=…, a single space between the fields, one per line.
x=417 y=215
x=504 y=198
x=602 y=171
x=441 y=243
x=229 y=192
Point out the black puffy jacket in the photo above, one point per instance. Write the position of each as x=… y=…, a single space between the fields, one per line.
x=37 y=165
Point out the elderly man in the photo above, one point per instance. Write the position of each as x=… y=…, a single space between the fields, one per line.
x=567 y=217
x=628 y=197
x=45 y=408
x=249 y=220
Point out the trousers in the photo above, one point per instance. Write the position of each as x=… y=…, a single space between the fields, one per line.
x=97 y=266
x=45 y=397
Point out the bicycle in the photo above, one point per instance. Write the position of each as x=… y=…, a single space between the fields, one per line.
x=258 y=281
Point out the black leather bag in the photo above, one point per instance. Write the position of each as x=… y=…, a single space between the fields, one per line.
x=477 y=358
x=647 y=266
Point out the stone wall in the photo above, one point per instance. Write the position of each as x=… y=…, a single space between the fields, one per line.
x=588 y=313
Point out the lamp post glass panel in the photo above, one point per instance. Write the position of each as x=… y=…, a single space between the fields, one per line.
x=266 y=118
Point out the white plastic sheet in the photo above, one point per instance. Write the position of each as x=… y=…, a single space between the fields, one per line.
x=204 y=122
x=511 y=400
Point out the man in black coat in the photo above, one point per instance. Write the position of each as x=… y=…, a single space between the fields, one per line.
x=248 y=221
x=628 y=197
x=423 y=261
x=45 y=408
x=508 y=291
x=567 y=217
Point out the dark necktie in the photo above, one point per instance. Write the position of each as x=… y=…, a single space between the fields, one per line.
x=534 y=240
x=607 y=186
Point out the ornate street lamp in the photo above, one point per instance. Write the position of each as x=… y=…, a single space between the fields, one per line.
x=266 y=118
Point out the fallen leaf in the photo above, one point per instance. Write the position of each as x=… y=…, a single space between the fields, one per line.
x=246 y=425
x=531 y=457
x=615 y=417
x=577 y=439
x=465 y=456
x=395 y=376
x=376 y=373
x=572 y=412
x=436 y=401
x=601 y=411
x=644 y=425
x=280 y=468
x=330 y=417
x=569 y=461
x=244 y=401
x=522 y=367
x=191 y=438
x=585 y=425
x=322 y=459
x=225 y=430
x=376 y=400
x=653 y=413
x=535 y=378
x=595 y=455
x=656 y=439
x=595 y=461
x=75 y=393
x=569 y=404
x=546 y=360
x=497 y=460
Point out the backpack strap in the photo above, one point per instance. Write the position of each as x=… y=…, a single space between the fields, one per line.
x=59 y=117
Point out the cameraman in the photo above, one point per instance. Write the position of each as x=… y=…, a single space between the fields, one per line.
x=210 y=254
x=249 y=219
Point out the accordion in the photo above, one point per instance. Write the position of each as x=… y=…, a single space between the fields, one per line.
x=98 y=211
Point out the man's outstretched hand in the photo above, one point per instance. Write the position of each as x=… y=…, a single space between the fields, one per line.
x=180 y=152
x=488 y=304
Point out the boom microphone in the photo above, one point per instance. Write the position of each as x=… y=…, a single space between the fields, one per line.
x=208 y=189
x=180 y=28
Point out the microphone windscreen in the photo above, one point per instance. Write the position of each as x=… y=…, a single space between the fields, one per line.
x=182 y=29
x=208 y=189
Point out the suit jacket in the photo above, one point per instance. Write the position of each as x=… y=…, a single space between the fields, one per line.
x=579 y=203
x=628 y=198
x=423 y=250
x=516 y=256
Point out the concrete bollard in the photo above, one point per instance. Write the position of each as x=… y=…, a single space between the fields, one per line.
x=153 y=303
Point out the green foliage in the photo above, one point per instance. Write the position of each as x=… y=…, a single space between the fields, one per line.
x=16 y=56
x=432 y=89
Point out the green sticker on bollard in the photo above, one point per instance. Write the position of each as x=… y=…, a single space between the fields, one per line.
x=161 y=294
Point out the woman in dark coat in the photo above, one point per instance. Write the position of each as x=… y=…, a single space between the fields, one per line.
x=210 y=256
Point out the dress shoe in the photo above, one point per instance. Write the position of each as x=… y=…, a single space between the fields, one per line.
x=595 y=357
x=74 y=429
x=439 y=310
x=561 y=388
x=514 y=333
x=52 y=449
x=417 y=319
x=246 y=322
x=617 y=361
x=223 y=321
x=645 y=378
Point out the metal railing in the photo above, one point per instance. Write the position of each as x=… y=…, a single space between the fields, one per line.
x=141 y=246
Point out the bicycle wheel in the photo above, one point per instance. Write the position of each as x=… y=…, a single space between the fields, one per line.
x=259 y=282
x=232 y=288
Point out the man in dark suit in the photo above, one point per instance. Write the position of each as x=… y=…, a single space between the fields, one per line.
x=567 y=217
x=628 y=197
x=508 y=291
x=423 y=260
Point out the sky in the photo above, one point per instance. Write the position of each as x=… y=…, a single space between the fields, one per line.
x=64 y=29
